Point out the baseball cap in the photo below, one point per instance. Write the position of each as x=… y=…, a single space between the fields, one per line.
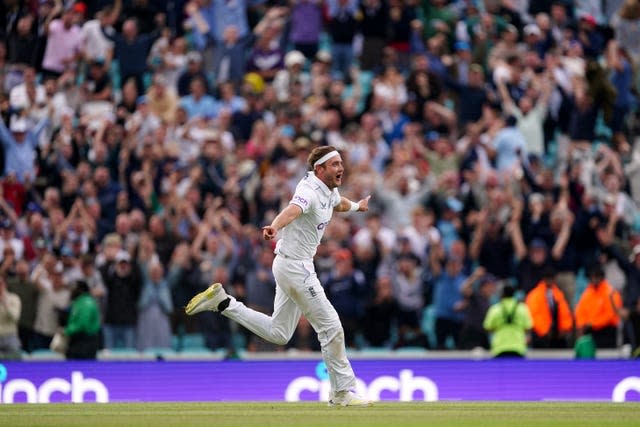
x=19 y=126
x=123 y=256
x=538 y=243
x=532 y=29
x=79 y=8
x=66 y=251
x=462 y=45
x=33 y=207
x=454 y=204
x=194 y=57
x=59 y=268
x=112 y=239
x=323 y=56
x=342 y=255
x=589 y=19
x=294 y=58
x=487 y=278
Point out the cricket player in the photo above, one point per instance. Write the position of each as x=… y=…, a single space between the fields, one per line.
x=301 y=225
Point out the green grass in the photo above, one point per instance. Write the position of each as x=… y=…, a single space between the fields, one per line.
x=520 y=414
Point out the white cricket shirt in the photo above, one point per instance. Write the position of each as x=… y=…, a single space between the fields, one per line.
x=300 y=239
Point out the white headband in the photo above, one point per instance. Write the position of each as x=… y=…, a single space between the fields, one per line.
x=326 y=157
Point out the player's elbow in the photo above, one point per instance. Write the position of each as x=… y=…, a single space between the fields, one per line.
x=279 y=337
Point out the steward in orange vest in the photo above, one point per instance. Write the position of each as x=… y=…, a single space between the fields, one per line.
x=550 y=312
x=598 y=307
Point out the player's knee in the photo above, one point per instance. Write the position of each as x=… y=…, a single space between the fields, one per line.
x=334 y=335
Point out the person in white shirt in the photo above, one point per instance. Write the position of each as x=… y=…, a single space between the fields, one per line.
x=302 y=224
x=29 y=93
x=95 y=45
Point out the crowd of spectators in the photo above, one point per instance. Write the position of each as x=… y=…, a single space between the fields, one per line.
x=145 y=143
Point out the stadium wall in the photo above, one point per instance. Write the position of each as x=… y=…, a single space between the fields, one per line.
x=306 y=380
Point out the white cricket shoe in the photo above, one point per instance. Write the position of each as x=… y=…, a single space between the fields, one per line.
x=348 y=398
x=208 y=299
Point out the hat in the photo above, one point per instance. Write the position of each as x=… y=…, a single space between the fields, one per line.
x=589 y=19
x=302 y=143
x=454 y=204
x=511 y=28
x=634 y=253
x=432 y=135
x=159 y=79
x=323 y=56
x=59 y=268
x=536 y=197
x=487 y=278
x=66 y=251
x=408 y=256
x=19 y=126
x=112 y=239
x=33 y=207
x=5 y=223
x=532 y=29
x=79 y=8
x=255 y=81
x=123 y=256
x=342 y=255
x=74 y=237
x=194 y=56
x=462 y=45
x=294 y=58
x=538 y=243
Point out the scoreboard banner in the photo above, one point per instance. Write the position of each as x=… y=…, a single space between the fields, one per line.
x=306 y=380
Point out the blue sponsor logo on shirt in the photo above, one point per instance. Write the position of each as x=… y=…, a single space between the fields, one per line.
x=301 y=200
x=322 y=225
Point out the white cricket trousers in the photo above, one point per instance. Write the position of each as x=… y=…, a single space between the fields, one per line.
x=298 y=291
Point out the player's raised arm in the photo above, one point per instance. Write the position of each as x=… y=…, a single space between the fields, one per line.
x=285 y=217
x=347 y=205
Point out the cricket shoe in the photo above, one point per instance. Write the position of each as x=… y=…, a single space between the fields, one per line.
x=208 y=299
x=348 y=398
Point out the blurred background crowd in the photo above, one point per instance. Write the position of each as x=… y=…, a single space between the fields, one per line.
x=144 y=144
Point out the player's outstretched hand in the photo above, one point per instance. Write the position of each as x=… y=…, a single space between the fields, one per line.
x=364 y=204
x=268 y=232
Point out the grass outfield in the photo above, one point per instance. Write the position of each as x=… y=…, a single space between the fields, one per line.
x=386 y=414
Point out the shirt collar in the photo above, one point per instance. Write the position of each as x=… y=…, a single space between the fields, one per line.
x=319 y=183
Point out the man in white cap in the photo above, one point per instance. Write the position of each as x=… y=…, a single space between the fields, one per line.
x=298 y=289
x=19 y=145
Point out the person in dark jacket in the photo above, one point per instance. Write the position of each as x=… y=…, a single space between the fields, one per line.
x=83 y=326
x=123 y=281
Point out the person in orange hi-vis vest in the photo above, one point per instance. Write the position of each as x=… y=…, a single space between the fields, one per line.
x=598 y=307
x=551 y=314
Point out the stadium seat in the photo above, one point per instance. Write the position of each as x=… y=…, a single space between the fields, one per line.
x=45 y=354
x=428 y=324
x=193 y=342
x=122 y=354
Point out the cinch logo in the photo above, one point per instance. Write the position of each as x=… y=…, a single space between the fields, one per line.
x=301 y=200
x=24 y=390
x=623 y=387
x=322 y=225
x=405 y=385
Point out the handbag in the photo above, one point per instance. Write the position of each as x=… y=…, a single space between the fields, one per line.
x=59 y=343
